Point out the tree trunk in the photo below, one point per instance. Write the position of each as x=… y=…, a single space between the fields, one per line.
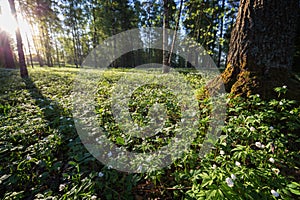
x=29 y=51
x=221 y=36
x=22 y=63
x=261 y=47
x=6 y=54
x=74 y=48
x=175 y=32
x=57 y=53
x=166 y=67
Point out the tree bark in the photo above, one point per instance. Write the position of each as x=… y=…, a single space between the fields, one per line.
x=6 y=54
x=221 y=36
x=261 y=47
x=29 y=51
x=175 y=32
x=166 y=67
x=22 y=63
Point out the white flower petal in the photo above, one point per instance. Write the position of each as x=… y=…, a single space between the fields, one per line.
x=258 y=144
x=276 y=171
x=237 y=163
x=62 y=187
x=222 y=152
x=233 y=177
x=274 y=193
x=229 y=182
x=100 y=174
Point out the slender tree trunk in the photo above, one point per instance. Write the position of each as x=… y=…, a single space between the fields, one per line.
x=57 y=53
x=221 y=36
x=22 y=62
x=95 y=31
x=43 y=46
x=78 y=45
x=36 y=47
x=175 y=32
x=166 y=67
x=47 y=44
x=261 y=47
x=29 y=50
x=74 y=48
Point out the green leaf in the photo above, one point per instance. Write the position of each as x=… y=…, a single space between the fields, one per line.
x=294 y=191
x=120 y=141
x=4 y=177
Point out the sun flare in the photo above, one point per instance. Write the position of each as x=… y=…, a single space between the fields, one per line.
x=9 y=24
x=7 y=21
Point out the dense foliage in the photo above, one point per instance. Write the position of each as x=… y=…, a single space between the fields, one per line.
x=42 y=157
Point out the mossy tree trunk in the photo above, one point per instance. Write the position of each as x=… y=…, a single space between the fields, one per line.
x=261 y=47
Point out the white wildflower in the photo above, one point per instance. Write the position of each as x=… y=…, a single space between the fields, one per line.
x=109 y=154
x=280 y=103
x=222 y=152
x=229 y=182
x=271 y=128
x=237 y=163
x=274 y=193
x=214 y=166
x=276 y=171
x=233 y=177
x=62 y=187
x=252 y=128
x=28 y=157
x=94 y=197
x=258 y=95
x=258 y=144
x=100 y=174
x=284 y=87
x=272 y=160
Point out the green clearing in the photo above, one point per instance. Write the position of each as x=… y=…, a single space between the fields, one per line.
x=42 y=156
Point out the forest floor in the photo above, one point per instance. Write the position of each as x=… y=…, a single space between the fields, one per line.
x=42 y=156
